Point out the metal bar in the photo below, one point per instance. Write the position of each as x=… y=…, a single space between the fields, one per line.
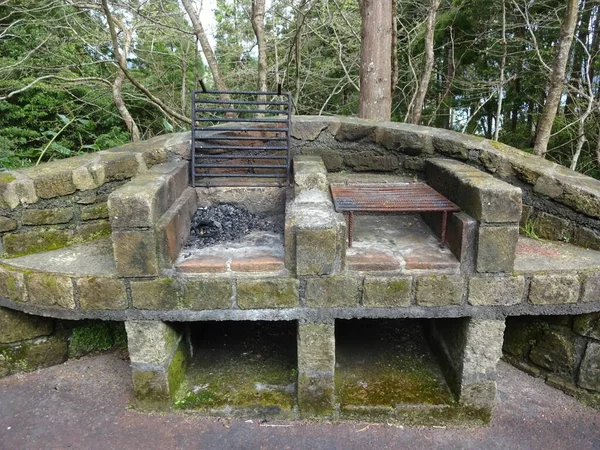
x=233 y=119
x=241 y=138
x=444 y=225
x=350 y=228
x=241 y=175
x=245 y=156
x=193 y=149
x=289 y=99
x=243 y=166
x=279 y=112
x=220 y=129
x=240 y=147
x=239 y=102
x=273 y=93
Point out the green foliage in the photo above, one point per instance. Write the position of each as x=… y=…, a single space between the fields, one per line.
x=96 y=336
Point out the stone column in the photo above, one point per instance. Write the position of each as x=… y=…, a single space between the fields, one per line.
x=471 y=348
x=316 y=366
x=159 y=357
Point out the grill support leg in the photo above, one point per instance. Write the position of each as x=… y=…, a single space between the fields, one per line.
x=444 y=226
x=350 y=228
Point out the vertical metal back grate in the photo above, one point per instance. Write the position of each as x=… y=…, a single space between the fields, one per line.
x=240 y=141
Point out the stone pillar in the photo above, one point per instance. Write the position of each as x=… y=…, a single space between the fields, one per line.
x=316 y=366
x=159 y=357
x=471 y=349
x=26 y=343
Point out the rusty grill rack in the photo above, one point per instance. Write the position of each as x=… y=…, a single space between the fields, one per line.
x=394 y=197
x=240 y=141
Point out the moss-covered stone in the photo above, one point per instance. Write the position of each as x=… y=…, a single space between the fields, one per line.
x=12 y=285
x=151 y=388
x=159 y=294
x=267 y=293
x=135 y=253
x=7 y=224
x=521 y=335
x=556 y=350
x=119 y=165
x=101 y=293
x=589 y=372
x=551 y=227
x=92 y=337
x=36 y=241
x=316 y=250
x=496 y=290
x=96 y=211
x=206 y=293
x=17 y=326
x=554 y=289
x=586 y=237
x=32 y=355
x=439 y=290
x=587 y=325
x=387 y=292
x=332 y=292
x=591 y=288
x=49 y=216
x=496 y=248
x=54 y=179
x=48 y=289
x=315 y=396
x=151 y=342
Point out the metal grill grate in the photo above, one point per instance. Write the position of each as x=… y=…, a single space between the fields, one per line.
x=241 y=141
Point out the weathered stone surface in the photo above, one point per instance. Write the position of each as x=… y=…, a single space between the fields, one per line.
x=257 y=262
x=16 y=189
x=53 y=179
x=332 y=159
x=316 y=365
x=39 y=240
x=206 y=293
x=587 y=325
x=521 y=333
x=402 y=140
x=173 y=228
x=48 y=289
x=371 y=162
x=151 y=386
x=119 y=165
x=551 y=227
x=17 y=326
x=97 y=211
x=7 y=224
x=373 y=260
x=589 y=371
x=203 y=264
x=47 y=216
x=83 y=178
x=30 y=356
x=355 y=131
x=591 y=288
x=480 y=195
x=135 y=253
x=496 y=290
x=387 y=292
x=479 y=396
x=101 y=293
x=439 y=290
x=483 y=349
x=554 y=289
x=555 y=350
x=451 y=145
x=12 y=285
x=549 y=186
x=582 y=198
x=309 y=173
x=586 y=237
x=160 y=294
x=527 y=215
x=333 y=292
x=151 y=342
x=267 y=293
x=496 y=248
x=306 y=130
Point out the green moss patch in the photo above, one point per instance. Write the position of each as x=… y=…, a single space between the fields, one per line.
x=96 y=336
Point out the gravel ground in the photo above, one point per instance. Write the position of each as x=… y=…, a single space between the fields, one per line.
x=82 y=404
x=226 y=223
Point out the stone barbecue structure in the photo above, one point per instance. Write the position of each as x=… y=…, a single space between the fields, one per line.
x=101 y=237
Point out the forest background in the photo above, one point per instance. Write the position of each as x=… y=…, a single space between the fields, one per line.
x=79 y=76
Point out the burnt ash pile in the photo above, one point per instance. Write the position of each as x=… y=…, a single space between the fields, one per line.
x=227 y=223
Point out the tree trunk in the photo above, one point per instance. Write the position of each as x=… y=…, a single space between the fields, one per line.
x=258 y=25
x=557 y=78
x=426 y=75
x=502 y=67
x=578 y=58
x=394 y=48
x=211 y=59
x=375 y=100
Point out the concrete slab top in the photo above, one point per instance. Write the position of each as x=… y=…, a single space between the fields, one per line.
x=93 y=258
x=535 y=255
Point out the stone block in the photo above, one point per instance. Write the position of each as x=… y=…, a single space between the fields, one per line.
x=387 y=292
x=50 y=216
x=203 y=264
x=267 y=293
x=554 y=289
x=173 y=228
x=521 y=333
x=549 y=186
x=309 y=173
x=439 y=290
x=551 y=227
x=257 y=262
x=316 y=250
x=101 y=293
x=402 y=140
x=478 y=194
x=373 y=261
x=332 y=159
x=32 y=355
x=135 y=253
x=451 y=145
x=583 y=198
x=151 y=386
x=334 y=292
x=118 y=166
x=206 y=293
x=52 y=180
x=36 y=241
x=496 y=290
x=307 y=130
x=48 y=289
x=371 y=162
x=151 y=342
x=139 y=203
x=483 y=349
x=161 y=294
x=12 y=285
x=17 y=326
x=586 y=237
x=96 y=211
x=591 y=288
x=16 y=189
x=556 y=350
x=479 y=396
x=587 y=325
x=589 y=371
x=496 y=248
x=7 y=224
x=316 y=366
x=355 y=131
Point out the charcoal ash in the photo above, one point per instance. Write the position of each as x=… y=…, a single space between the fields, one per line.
x=227 y=223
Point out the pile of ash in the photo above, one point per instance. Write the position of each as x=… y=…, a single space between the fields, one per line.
x=227 y=223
